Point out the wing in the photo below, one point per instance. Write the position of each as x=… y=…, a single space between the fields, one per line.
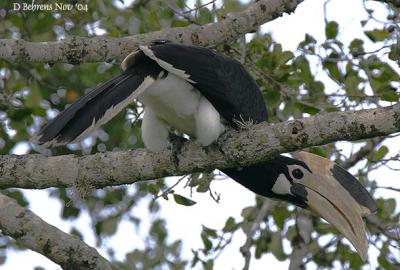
x=224 y=82
x=99 y=106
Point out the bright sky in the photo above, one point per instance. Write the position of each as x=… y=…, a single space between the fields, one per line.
x=185 y=222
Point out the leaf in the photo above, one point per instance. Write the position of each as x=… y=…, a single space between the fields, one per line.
x=247 y=212
x=380 y=153
x=210 y=232
x=390 y=206
x=306 y=107
x=179 y=199
x=280 y=215
x=331 y=30
x=107 y=227
x=207 y=243
x=114 y=196
x=319 y=151
x=276 y=246
x=76 y=232
x=390 y=96
x=377 y=35
x=356 y=47
x=34 y=97
x=333 y=67
x=230 y=225
x=205 y=16
x=70 y=211
x=18 y=196
x=209 y=265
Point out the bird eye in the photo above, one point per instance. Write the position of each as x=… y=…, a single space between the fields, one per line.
x=297 y=173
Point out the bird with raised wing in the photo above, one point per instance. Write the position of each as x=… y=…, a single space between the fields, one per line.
x=201 y=93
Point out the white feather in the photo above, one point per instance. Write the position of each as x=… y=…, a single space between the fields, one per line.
x=282 y=185
x=154 y=131
x=176 y=102
x=167 y=66
x=208 y=123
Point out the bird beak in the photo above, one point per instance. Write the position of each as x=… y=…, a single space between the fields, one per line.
x=336 y=196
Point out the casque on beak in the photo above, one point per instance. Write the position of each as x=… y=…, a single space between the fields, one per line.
x=335 y=195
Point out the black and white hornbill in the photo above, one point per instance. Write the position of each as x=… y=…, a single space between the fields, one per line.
x=199 y=92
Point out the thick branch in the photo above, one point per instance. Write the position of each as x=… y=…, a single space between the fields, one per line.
x=81 y=49
x=259 y=143
x=34 y=233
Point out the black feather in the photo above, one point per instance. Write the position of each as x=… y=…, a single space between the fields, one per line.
x=224 y=82
x=75 y=119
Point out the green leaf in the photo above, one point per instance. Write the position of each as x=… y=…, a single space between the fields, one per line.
x=331 y=30
x=380 y=153
x=319 y=151
x=306 y=107
x=280 y=215
x=114 y=196
x=390 y=205
x=18 y=196
x=356 y=47
x=76 y=232
x=205 y=16
x=70 y=211
x=207 y=243
x=247 y=212
x=230 y=225
x=34 y=97
x=333 y=67
x=209 y=265
x=107 y=227
x=210 y=232
x=390 y=96
x=377 y=35
x=276 y=246
x=179 y=199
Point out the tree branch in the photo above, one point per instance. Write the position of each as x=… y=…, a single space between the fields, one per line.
x=255 y=225
x=361 y=153
x=302 y=239
x=76 y=50
x=260 y=143
x=34 y=233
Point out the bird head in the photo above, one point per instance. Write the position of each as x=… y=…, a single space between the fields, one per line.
x=319 y=185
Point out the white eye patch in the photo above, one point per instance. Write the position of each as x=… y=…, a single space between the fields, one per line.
x=282 y=185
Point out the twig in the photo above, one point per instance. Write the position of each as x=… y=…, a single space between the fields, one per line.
x=300 y=242
x=361 y=154
x=245 y=249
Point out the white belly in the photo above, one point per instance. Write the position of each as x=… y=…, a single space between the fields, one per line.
x=175 y=101
x=182 y=107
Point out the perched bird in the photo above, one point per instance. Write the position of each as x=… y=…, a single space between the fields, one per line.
x=201 y=93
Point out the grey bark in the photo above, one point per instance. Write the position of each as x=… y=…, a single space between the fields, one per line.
x=34 y=233
x=235 y=148
x=76 y=50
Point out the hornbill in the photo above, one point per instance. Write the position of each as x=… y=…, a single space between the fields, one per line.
x=201 y=93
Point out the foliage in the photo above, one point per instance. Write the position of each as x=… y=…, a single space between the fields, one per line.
x=318 y=77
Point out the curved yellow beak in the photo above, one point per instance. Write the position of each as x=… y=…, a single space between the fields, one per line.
x=336 y=196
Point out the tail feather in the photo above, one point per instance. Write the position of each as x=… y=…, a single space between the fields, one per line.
x=94 y=109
